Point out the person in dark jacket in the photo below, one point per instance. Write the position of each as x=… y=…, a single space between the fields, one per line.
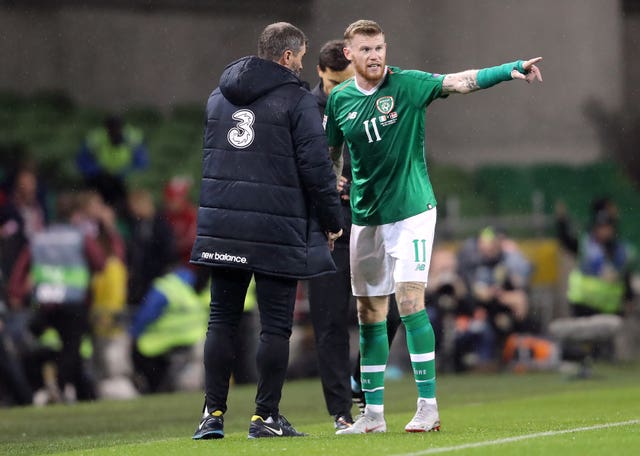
x=151 y=249
x=269 y=208
x=330 y=295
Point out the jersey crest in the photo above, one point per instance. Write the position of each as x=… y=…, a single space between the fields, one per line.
x=385 y=104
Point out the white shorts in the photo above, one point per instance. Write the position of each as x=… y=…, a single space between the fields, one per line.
x=383 y=255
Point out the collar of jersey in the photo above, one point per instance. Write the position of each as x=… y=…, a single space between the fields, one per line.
x=374 y=89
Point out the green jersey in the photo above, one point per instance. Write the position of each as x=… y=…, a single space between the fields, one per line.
x=384 y=132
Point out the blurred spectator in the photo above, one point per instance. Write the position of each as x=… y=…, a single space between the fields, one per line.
x=111 y=342
x=181 y=214
x=169 y=330
x=108 y=155
x=22 y=215
x=443 y=294
x=496 y=275
x=111 y=357
x=568 y=239
x=601 y=281
x=14 y=386
x=55 y=272
x=97 y=220
x=151 y=248
x=599 y=291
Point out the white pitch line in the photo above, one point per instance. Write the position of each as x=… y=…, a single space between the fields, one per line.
x=518 y=438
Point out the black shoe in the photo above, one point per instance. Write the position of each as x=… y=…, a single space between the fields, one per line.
x=278 y=427
x=343 y=421
x=211 y=427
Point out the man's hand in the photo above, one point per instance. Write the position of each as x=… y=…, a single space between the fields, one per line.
x=343 y=188
x=331 y=238
x=531 y=71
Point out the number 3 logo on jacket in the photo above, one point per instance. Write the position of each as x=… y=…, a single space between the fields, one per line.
x=241 y=136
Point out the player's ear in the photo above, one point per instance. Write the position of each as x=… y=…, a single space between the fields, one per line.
x=347 y=53
x=319 y=71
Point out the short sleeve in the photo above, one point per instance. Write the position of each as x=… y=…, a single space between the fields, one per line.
x=335 y=137
x=425 y=87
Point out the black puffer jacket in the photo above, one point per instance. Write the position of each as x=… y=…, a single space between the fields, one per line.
x=268 y=190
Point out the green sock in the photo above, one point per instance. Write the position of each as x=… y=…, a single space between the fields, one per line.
x=374 y=351
x=421 y=343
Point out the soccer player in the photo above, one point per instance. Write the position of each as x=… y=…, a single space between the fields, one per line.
x=380 y=115
x=330 y=295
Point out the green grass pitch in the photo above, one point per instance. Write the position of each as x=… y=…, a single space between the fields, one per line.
x=530 y=414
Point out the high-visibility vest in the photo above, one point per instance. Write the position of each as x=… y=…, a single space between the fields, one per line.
x=250 y=299
x=605 y=295
x=594 y=292
x=59 y=268
x=51 y=339
x=183 y=323
x=114 y=159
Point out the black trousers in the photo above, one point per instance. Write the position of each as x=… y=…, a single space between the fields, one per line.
x=329 y=300
x=12 y=376
x=71 y=321
x=276 y=298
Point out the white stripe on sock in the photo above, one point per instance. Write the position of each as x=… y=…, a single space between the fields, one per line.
x=373 y=368
x=372 y=390
x=422 y=357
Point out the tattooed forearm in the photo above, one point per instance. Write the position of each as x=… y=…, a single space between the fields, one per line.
x=471 y=83
x=464 y=82
x=410 y=297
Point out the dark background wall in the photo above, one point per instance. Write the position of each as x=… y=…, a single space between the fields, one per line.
x=122 y=53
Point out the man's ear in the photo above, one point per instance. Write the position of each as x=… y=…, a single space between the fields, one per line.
x=347 y=53
x=286 y=58
x=319 y=71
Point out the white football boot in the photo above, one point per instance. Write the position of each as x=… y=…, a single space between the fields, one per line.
x=426 y=418
x=365 y=424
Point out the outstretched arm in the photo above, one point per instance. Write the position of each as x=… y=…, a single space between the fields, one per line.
x=472 y=80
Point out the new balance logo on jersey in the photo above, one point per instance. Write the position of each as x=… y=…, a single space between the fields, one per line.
x=352 y=115
x=421 y=267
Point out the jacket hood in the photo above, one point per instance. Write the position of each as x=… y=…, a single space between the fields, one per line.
x=247 y=79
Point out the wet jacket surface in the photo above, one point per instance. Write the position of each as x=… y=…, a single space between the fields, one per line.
x=268 y=190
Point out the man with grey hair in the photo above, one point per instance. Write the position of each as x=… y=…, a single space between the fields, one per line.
x=269 y=209
x=283 y=40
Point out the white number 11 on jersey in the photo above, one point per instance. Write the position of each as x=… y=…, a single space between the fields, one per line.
x=374 y=126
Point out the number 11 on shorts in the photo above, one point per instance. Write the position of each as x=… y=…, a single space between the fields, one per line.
x=421 y=253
